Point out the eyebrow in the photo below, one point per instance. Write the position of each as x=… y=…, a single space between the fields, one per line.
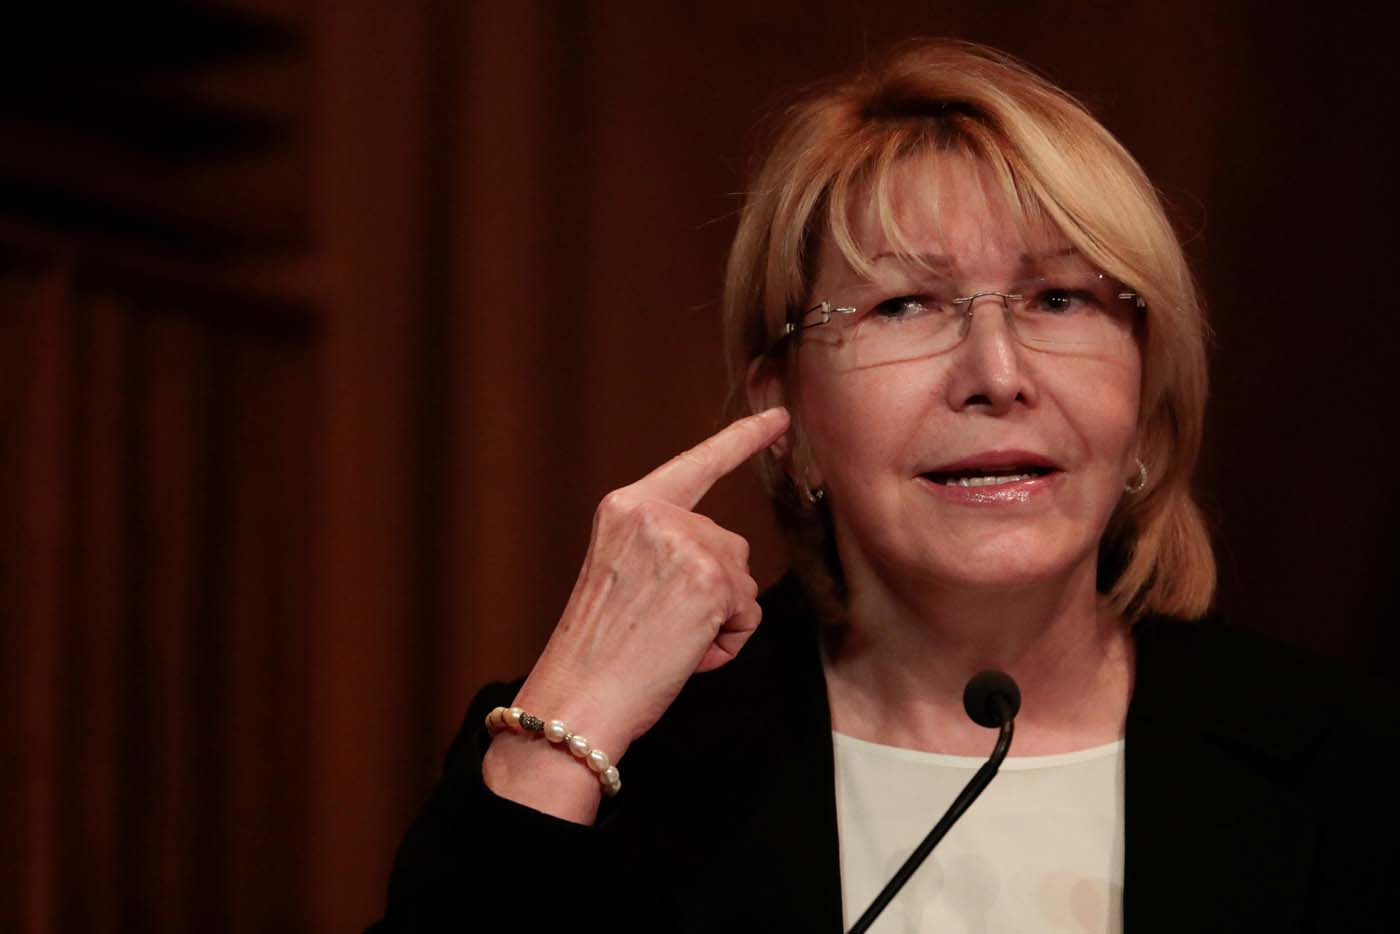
x=944 y=261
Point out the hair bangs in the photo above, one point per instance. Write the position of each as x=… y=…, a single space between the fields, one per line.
x=865 y=196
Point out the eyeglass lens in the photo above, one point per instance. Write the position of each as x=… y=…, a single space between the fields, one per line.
x=1065 y=313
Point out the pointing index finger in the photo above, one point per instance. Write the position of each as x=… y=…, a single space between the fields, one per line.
x=687 y=477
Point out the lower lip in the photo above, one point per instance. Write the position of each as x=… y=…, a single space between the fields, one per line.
x=996 y=494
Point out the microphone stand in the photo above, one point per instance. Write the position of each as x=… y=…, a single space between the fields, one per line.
x=955 y=810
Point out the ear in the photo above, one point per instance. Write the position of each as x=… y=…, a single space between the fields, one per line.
x=1138 y=451
x=764 y=387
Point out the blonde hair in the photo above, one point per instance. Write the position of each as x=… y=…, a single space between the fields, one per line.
x=1053 y=163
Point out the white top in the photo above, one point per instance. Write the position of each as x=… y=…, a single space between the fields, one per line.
x=1040 y=850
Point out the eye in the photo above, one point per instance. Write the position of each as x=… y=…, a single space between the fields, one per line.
x=904 y=307
x=1059 y=300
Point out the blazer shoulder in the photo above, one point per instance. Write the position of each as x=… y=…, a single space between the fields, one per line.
x=1256 y=690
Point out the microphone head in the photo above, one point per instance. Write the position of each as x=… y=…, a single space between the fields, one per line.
x=990 y=698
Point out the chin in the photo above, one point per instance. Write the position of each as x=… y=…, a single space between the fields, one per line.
x=999 y=579
x=1008 y=565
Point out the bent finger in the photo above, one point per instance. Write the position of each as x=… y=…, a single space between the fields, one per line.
x=731 y=637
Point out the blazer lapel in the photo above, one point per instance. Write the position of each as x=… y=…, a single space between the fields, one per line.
x=1215 y=841
x=748 y=820
x=791 y=821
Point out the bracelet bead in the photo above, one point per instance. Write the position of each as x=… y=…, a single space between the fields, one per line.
x=517 y=720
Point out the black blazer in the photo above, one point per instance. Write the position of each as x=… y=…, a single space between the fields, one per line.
x=1255 y=801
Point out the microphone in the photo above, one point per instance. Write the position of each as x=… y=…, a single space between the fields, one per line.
x=992 y=700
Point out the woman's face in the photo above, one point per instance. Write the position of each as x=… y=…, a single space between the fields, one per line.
x=992 y=464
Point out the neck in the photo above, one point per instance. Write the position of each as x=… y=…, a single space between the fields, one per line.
x=896 y=671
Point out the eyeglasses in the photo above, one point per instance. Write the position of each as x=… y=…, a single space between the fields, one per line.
x=1069 y=312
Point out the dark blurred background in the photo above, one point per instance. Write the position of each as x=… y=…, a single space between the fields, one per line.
x=325 y=323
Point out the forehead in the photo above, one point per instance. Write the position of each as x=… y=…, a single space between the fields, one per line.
x=933 y=210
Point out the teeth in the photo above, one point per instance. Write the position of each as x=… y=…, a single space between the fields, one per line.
x=990 y=481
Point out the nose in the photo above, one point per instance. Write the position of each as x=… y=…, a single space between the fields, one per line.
x=988 y=373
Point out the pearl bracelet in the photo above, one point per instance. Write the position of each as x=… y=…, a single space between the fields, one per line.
x=518 y=721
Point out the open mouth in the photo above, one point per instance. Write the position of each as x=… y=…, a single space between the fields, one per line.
x=988 y=476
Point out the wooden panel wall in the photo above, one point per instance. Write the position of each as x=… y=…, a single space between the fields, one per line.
x=160 y=477
x=311 y=379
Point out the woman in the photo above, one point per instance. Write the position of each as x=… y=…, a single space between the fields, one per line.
x=976 y=357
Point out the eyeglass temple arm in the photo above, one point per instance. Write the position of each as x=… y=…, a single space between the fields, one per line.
x=826 y=308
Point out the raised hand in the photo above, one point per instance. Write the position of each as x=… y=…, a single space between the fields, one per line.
x=663 y=592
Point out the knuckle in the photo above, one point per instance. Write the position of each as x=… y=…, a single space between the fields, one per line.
x=741 y=548
x=659 y=526
x=648 y=516
x=616 y=503
x=645 y=512
x=706 y=575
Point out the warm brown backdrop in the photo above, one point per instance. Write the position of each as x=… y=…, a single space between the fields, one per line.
x=323 y=325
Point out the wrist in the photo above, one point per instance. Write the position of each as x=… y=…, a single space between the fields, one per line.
x=529 y=770
x=586 y=713
x=557 y=732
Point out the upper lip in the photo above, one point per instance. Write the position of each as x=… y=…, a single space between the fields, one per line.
x=996 y=460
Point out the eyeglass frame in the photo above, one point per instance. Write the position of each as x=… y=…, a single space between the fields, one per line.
x=827 y=310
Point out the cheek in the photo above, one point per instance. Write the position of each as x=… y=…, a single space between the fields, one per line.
x=856 y=421
x=1101 y=407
